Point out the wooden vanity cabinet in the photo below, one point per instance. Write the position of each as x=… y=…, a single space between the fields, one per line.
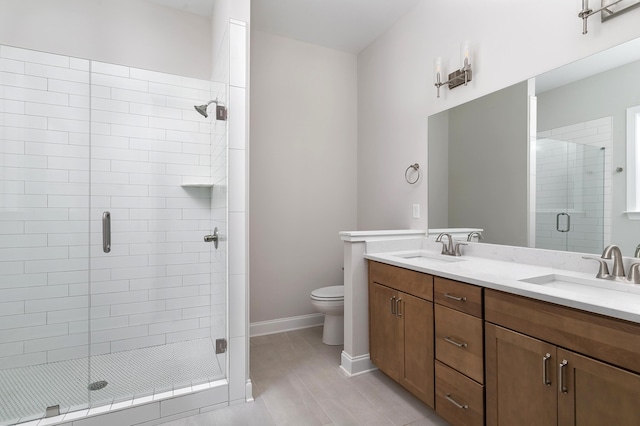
x=459 y=346
x=401 y=327
x=539 y=378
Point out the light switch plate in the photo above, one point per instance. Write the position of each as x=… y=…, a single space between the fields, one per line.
x=416 y=211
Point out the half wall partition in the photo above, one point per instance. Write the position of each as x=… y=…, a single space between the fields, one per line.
x=88 y=151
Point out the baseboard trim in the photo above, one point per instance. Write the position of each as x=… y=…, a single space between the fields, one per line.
x=281 y=325
x=354 y=366
x=249 y=391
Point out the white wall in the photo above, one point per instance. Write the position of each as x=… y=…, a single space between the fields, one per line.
x=511 y=42
x=303 y=171
x=127 y=32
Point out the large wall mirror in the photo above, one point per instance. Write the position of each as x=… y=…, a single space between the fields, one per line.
x=542 y=163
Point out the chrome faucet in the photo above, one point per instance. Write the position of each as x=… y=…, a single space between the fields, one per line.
x=448 y=248
x=618 y=266
x=476 y=234
x=618 y=274
x=637 y=252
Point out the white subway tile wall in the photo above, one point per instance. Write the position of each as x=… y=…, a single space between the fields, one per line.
x=574 y=178
x=80 y=137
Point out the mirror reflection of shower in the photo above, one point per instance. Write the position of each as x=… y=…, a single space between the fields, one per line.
x=221 y=111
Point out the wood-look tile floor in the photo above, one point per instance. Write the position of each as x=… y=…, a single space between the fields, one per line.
x=297 y=381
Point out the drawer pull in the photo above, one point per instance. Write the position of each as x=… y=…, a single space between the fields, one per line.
x=561 y=368
x=545 y=365
x=398 y=306
x=459 y=299
x=453 y=342
x=456 y=403
x=393 y=305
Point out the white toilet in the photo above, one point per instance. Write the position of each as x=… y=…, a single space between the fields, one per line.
x=330 y=302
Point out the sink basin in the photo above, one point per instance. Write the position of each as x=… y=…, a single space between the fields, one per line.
x=426 y=257
x=581 y=285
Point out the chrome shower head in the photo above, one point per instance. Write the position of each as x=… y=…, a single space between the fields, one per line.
x=202 y=109
x=221 y=111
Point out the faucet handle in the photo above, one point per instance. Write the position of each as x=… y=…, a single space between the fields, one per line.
x=603 y=272
x=457 y=249
x=634 y=273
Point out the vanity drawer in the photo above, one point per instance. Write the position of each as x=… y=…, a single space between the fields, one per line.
x=453 y=392
x=460 y=296
x=459 y=342
x=608 y=339
x=405 y=280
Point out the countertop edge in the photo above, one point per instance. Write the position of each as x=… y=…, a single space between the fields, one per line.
x=605 y=306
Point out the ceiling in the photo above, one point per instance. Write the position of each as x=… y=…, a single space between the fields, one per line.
x=346 y=25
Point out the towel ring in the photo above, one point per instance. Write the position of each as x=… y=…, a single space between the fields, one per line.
x=415 y=167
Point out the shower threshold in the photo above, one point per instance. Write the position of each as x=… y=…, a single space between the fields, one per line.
x=134 y=376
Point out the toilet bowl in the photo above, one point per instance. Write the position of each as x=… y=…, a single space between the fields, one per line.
x=330 y=302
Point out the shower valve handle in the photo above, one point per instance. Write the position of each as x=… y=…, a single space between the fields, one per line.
x=215 y=238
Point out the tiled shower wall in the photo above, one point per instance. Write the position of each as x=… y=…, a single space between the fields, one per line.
x=78 y=138
x=576 y=181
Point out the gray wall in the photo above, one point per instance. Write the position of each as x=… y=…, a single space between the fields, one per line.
x=488 y=165
x=605 y=94
x=303 y=171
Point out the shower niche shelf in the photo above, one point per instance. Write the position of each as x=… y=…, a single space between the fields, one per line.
x=197 y=184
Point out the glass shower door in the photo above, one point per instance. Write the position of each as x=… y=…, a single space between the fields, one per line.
x=569 y=196
x=154 y=307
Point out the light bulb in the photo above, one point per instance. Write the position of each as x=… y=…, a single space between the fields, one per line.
x=437 y=69
x=465 y=54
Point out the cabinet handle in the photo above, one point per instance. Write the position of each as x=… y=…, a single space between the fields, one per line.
x=456 y=403
x=545 y=365
x=459 y=299
x=453 y=342
x=393 y=305
x=561 y=387
x=398 y=305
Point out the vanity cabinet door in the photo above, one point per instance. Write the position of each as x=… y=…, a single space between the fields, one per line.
x=595 y=393
x=416 y=346
x=384 y=330
x=520 y=379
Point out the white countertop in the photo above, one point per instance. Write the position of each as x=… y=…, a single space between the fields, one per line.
x=614 y=299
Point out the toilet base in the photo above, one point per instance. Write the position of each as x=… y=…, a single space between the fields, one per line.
x=333 y=330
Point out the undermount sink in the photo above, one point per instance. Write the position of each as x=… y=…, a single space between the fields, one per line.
x=426 y=257
x=581 y=285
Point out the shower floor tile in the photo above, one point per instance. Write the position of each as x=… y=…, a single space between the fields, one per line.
x=27 y=391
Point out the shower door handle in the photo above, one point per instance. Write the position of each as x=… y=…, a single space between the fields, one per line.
x=106 y=232
x=568 y=228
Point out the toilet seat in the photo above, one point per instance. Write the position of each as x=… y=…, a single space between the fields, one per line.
x=331 y=293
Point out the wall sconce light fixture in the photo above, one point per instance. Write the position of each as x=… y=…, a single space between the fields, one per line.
x=458 y=77
x=609 y=8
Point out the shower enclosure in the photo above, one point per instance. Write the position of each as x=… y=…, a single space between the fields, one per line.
x=570 y=196
x=109 y=182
